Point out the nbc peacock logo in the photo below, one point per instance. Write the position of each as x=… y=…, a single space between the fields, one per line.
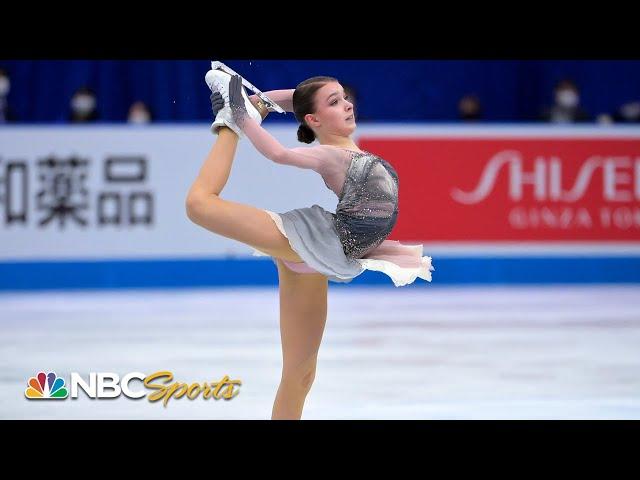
x=46 y=386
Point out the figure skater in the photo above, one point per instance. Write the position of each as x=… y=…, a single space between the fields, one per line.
x=309 y=245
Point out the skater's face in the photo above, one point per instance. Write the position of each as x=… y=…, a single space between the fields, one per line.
x=334 y=111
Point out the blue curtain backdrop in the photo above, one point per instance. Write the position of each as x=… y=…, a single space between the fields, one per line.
x=404 y=90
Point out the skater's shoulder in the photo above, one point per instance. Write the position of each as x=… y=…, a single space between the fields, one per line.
x=327 y=151
x=334 y=150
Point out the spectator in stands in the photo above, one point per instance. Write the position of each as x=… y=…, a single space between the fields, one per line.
x=83 y=106
x=469 y=108
x=566 y=108
x=628 y=113
x=6 y=114
x=139 y=113
x=604 y=119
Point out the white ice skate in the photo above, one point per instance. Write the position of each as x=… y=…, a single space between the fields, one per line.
x=270 y=104
x=218 y=78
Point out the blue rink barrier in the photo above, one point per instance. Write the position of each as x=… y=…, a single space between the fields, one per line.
x=234 y=272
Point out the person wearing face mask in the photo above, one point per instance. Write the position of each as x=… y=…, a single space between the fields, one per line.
x=83 y=106
x=139 y=113
x=566 y=108
x=628 y=113
x=6 y=114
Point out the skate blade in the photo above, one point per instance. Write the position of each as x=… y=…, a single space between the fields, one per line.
x=270 y=104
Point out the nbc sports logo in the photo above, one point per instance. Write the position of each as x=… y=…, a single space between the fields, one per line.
x=46 y=387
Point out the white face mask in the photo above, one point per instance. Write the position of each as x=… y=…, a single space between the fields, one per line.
x=630 y=110
x=5 y=86
x=83 y=103
x=139 y=117
x=567 y=98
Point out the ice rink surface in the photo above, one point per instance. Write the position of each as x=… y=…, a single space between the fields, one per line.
x=416 y=352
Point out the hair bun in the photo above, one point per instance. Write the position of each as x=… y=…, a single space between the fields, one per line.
x=305 y=134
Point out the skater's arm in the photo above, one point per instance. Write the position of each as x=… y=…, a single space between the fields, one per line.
x=303 y=157
x=313 y=158
x=309 y=157
x=284 y=98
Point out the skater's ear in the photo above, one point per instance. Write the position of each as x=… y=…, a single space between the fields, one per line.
x=312 y=120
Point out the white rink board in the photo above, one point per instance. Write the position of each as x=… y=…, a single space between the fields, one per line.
x=174 y=154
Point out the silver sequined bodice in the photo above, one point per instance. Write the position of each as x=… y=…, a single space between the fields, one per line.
x=367 y=209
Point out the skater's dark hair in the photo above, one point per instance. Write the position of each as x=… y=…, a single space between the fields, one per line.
x=304 y=103
x=305 y=134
